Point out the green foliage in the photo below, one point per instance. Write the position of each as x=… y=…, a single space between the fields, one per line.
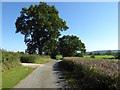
x=27 y=58
x=54 y=53
x=89 y=73
x=68 y=45
x=109 y=52
x=59 y=57
x=92 y=56
x=9 y=56
x=13 y=72
x=41 y=26
x=79 y=55
x=35 y=58
x=10 y=60
x=97 y=53
x=13 y=76
x=117 y=55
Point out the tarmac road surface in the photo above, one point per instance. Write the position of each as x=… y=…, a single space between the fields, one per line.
x=44 y=76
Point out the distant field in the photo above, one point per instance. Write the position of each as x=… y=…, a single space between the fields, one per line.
x=100 y=56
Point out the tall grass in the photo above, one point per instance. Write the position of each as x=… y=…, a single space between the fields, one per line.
x=35 y=58
x=10 y=60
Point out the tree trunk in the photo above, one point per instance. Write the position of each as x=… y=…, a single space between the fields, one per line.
x=40 y=51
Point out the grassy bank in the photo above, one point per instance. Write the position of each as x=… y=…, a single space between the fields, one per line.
x=88 y=73
x=13 y=59
x=13 y=76
x=10 y=60
x=13 y=72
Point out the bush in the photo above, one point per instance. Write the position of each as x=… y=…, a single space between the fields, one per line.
x=59 y=57
x=32 y=58
x=117 y=55
x=10 y=60
x=28 y=59
x=92 y=56
x=79 y=55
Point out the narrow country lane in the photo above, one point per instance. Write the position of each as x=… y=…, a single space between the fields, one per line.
x=47 y=76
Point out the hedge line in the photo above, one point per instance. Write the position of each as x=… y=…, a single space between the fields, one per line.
x=33 y=58
x=87 y=75
x=12 y=59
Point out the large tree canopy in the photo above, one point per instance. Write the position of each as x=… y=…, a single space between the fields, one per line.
x=69 y=45
x=41 y=26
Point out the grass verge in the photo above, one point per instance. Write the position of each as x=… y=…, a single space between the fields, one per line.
x=13 y=76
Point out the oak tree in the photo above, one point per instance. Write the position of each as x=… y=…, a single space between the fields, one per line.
x=69 y=45
x=41 y=26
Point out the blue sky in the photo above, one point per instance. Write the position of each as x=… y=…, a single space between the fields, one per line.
x=96 y=24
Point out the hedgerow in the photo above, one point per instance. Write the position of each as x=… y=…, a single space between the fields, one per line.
x=91 y=73
x=10 y=60
x=14 y=59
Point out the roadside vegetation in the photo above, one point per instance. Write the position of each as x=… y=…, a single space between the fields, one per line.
x=13 y=59
x=59 y=57
x=13 y=76
x=39 y=59
x=12 y=70
x=91 y=73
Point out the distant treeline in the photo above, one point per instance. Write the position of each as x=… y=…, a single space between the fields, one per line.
x=115 y=53
x=103 y=52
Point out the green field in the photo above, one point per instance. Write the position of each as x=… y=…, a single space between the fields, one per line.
x=13 y=76
x=100 y=56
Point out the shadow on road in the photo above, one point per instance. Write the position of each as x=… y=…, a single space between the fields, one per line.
x=61 y=82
